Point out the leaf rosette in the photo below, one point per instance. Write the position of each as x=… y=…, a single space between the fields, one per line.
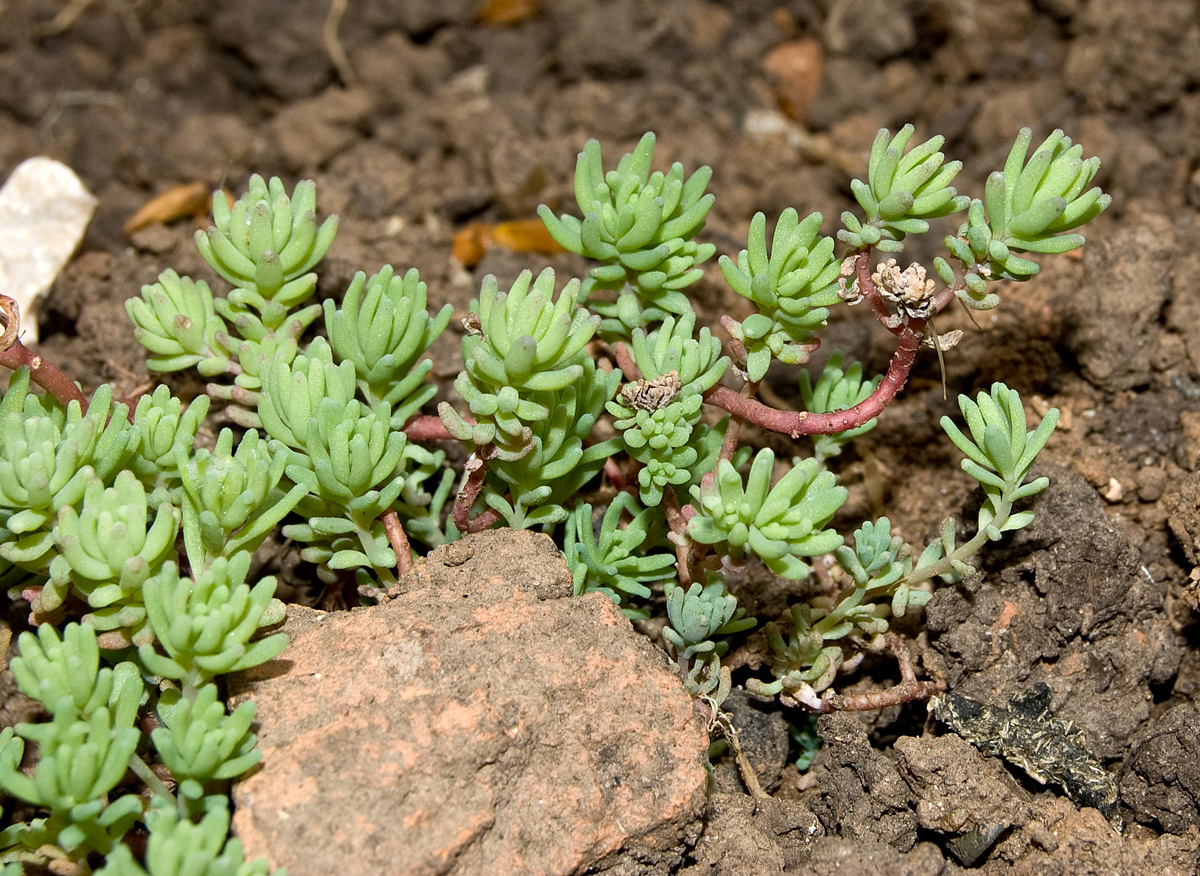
x=639 y=225
x=792 y=285
x=778 y=524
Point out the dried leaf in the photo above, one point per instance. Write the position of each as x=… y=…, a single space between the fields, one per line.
x=521 y=235
x=175 y=203
x=525 y=235
x=501 y=13
x=470 y=245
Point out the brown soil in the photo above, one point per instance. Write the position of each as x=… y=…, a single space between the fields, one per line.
x=448 y=120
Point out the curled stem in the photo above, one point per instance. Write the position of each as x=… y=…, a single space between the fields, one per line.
x=830 y=423
x=476 y=470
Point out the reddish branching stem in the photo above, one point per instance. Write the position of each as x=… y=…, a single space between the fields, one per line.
x=808 y=423
x=679 y=537
x=398 y=541
x=14 y=354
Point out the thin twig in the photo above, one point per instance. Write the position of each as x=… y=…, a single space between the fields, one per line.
x=906 y=691
x=749 y=776
x=678 y=536
x=333 y=43
x=64 y=19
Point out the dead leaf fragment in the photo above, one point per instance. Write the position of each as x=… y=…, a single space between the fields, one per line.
x=502 y=13
x=521 y=235
x=794 y=70
x=188 y=199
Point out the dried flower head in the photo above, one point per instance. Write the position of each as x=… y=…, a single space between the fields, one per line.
x=909 y=289
x=651 y=395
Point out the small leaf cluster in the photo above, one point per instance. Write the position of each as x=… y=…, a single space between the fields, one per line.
x=265 y=246
x=615 y=559
x=534 y=396
x=178 y=845
x=779 y=523
x=905 y=188
x=93 y=738
x=658 y=422
x=999 y=454
x=526 y=341
x=640 y=227
x=696 y=615
x=382 y=326
x=1028 y=207
x=792 y=286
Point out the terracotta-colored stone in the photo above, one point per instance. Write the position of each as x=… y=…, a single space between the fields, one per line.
x=473 y=724
x=794 y=69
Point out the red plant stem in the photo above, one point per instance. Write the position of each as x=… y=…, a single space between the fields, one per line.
x=399 y=542
x=14 y=354
x=428 y=428
x=808 y=423
x=626 y=364
x=615 y=475
x=476 y=471
x=734 y=429
x=45 y=375
x=679 y=536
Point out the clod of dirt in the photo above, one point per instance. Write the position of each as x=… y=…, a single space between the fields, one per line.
x=1071 y=607
x=750 y=837
x=1184 y=516
x=841 y=856
x=1162 y=778
x=473 y=724
x=1125 y=283
x=963 y=796
x=863 y=796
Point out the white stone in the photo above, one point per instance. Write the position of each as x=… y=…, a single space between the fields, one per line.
x=44 y=210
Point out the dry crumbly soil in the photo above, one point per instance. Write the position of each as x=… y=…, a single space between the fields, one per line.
x=444 y=118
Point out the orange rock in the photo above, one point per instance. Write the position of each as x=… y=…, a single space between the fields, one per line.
x=482 y=722
x=794 y=69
